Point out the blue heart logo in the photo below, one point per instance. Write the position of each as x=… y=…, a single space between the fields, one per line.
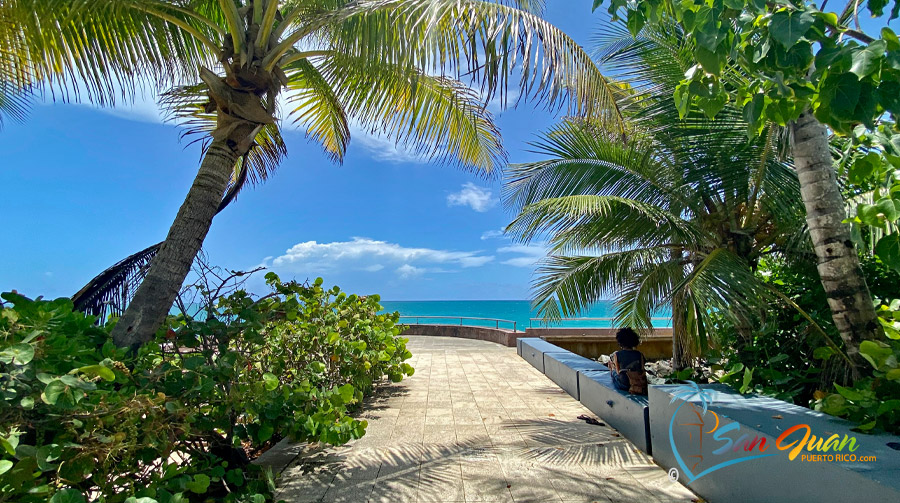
x=686 y=393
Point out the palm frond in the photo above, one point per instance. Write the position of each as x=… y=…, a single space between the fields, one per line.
x=108 y=293
x=101 y=51
x=317 y=108
x=437 y=117
x=585 y=162
x=567 y=285
x=484 y=41
x=581 y=222
x=15 y=103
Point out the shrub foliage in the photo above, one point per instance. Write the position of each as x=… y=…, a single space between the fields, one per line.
x=178 y=421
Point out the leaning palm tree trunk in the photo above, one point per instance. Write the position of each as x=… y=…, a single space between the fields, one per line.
x=172 y=263
x=846 y=289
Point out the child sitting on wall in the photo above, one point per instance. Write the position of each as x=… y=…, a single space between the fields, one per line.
x=627 y=364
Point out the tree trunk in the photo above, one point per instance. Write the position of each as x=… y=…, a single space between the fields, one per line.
x=838 y=262
x=681 y=354
x=154 y=298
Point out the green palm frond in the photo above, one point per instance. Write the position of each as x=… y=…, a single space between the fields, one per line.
x=583 y=162
x=100 y=50
x=585 y=221
x=647 y=291
x=726 y=285
x=15 y=103
x=484 y=41
x=437 y=117
x=318 y=108
x=567 y=285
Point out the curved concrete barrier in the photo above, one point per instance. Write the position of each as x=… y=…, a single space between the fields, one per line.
x=500 y=336
x=593 y=342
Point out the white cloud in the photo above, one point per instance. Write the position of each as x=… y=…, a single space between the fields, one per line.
x=364 y=254
x=528 y=255
x=498 y=105
x=473 y=196
x=141 y=107
x=383 y=149
x=407 y=271
x=491 y=234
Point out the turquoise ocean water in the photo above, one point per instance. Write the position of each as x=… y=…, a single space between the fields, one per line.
x=513 y=310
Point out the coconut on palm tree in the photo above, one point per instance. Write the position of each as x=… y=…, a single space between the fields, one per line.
x=675 y=215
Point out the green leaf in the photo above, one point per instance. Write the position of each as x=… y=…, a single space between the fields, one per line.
x=5 y=465
x=787 y=26
x=848 y=393
x=893 y=375
x=748 y=378
x=271 y=381
x=890 y=38
x=265 y=432
x=875 y=352
x=682 y=99
x=53 y=391
x=635 y=22
x=347 y=392
x=840 y=92
x=823 y=353
x=99 y=370
x=866 y=61
x=890 y=330
x=709 y=60
x=47 y=455
x=887 y=208
x=888 y=250
x=68 y=496
x=199 y=484
x=834 y=404
x=779 y=358
x=17 y=354
x=867 y=426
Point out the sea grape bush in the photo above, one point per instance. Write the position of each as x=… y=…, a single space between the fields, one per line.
x=872 y=402
x=179 y=420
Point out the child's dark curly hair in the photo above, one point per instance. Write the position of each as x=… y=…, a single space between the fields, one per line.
x=627 y=338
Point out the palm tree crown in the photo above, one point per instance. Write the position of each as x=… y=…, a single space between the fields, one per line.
x=675 y=214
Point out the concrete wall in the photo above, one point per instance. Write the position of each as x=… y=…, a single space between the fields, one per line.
x=587 y=342
x=593 y=342
x=500 y=336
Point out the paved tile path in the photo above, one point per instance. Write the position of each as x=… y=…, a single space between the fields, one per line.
x=476 y=423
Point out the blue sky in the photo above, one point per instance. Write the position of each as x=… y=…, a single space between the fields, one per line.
x=83 y=188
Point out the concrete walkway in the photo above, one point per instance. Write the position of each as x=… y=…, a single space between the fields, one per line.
x=475 y=423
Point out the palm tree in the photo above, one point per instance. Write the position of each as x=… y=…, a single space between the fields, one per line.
x=392 y=66
x=674 y=215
